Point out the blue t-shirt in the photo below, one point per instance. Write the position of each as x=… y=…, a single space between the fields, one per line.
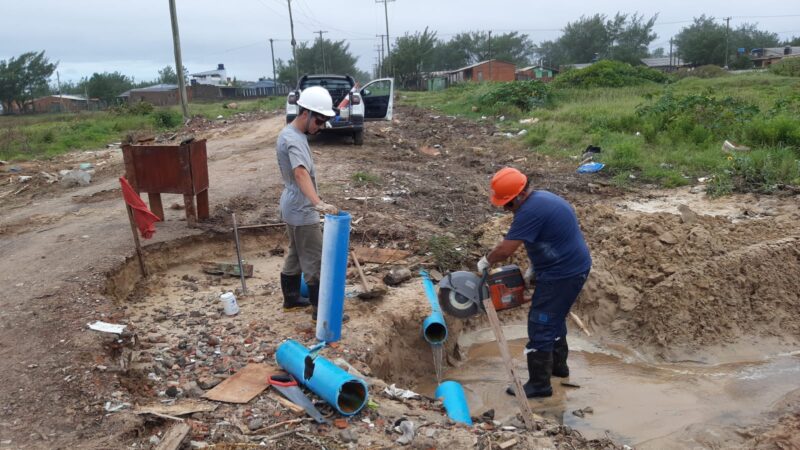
x=548 y=226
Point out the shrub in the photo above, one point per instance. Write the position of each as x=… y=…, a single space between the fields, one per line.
x=609 y=74
x=165 y=118
x=445 y=252
x=513 y=96
x=789 y=67
x=779 y=131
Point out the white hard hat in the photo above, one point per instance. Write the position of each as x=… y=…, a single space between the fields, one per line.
x=317 y=99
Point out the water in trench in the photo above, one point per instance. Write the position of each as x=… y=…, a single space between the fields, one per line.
x=633 y=402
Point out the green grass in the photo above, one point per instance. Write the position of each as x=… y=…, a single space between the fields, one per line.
x=47 y=135
x=651 y=138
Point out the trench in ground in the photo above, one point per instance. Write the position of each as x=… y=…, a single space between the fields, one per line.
x=635 y=399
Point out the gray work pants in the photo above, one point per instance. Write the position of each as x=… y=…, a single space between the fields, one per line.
x=305 y=252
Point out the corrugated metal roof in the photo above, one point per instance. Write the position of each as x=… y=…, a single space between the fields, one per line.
x=479 y=63
x=662 y=62
x=156 y=88
x=771 y=52
x=538 y=66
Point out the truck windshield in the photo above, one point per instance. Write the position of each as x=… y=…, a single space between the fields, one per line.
x=327 y=83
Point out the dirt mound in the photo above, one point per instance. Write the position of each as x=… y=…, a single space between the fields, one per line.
x=691 y=280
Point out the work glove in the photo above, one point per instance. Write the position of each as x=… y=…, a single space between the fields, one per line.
x=326 y=208
x=529 y=276
x=483 y=265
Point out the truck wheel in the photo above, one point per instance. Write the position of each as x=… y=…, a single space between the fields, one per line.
x=358 y=137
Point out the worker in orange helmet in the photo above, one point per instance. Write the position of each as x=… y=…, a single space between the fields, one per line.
x=559 y=256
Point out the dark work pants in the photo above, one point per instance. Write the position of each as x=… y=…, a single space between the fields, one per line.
x=552 y=300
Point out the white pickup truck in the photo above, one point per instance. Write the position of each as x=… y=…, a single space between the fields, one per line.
x=353 y=105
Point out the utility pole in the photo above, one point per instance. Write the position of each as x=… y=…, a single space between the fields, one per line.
x=322 y=45
x=60 y=95
x=274 y=80
x=294 y=44
x=176 y=43
x=380 y=65
x=388 y=43
x=727 y=29
x=670 y=54
x=378 y=61
x=490 y=55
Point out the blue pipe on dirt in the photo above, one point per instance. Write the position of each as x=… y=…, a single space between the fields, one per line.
x=346 y=393
x=455 y=402
x=335 y=249
x=434 y=329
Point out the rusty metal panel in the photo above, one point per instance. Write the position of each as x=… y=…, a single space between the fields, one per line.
x=199 y=166
x=167 y=168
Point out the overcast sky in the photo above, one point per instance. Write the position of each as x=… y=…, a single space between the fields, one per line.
x=134 y=36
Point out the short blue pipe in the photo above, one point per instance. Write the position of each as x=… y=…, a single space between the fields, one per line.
x=434 y=329
x=303 y=286
x=455 y=402
x=341 y=390
x=335 y=249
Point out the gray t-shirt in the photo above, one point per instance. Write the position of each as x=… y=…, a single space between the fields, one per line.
x=292 y=152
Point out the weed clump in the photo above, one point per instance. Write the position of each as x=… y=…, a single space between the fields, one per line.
x=522 y=95
x=609 y=74
x=445 y=252
x=166 y=119
x=789 y=67
x=364 y=178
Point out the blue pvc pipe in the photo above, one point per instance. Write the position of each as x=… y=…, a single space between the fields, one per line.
x=455 y=402
x=346 y=393
x=434 y=329
x=335 y=249
x=303 y=286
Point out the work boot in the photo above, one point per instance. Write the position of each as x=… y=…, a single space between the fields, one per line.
x=560 y=351
x=540 y=367
x=313 y=297
x=290 y=285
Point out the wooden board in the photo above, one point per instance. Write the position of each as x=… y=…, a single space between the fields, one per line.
x=179 y=408
x=242 y=386
x=174 y=437
x=380 y=255
x=232 y=269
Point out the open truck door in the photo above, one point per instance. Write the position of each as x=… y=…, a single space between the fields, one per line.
x=378 y=97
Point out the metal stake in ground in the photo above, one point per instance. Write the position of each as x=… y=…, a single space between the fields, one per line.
x=239 y=254
x=139 y=254
x=522 y=399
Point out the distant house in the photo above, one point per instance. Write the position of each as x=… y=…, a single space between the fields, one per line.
x=665 y=64
x=538 y=72
x=490 y=70
x=157 y=95
x=213 y=77
x=764 y=57
x=61 y=103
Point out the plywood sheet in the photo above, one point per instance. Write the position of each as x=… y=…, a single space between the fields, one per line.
x=380 y=255
x=242 y=386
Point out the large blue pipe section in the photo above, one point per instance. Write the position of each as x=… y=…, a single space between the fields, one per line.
x=335 y=250
x=454 y=401
x=341 y=390
x=434 y=330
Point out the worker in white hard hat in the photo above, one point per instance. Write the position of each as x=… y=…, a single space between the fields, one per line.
x=300 y=203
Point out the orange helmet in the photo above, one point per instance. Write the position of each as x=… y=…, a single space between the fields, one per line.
x=507 y=183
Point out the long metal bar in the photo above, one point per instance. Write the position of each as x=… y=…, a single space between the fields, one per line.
x=238 y=253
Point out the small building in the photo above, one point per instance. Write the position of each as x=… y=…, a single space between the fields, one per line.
x=764 y=57
x=538 y=72
x=156 y=95
x=490 y=70
x=664 y=64
x=213 y=77
x=62 y=103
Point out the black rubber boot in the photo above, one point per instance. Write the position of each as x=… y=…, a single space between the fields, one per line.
x=290 y=285
x=313 y=298
x=540 y=367
x=560 y=352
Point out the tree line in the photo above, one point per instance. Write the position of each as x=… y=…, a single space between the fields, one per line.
x=622 y=37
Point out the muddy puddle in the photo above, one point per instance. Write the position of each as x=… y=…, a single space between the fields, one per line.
x=632 y=401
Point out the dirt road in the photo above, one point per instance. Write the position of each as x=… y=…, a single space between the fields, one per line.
x=704 y=281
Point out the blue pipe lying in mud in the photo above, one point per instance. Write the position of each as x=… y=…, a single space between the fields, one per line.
x=434 y=330
x=341 y=390
x=335 y=250
x=455 y=402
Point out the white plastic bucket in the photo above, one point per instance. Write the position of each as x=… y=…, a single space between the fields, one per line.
x=229 y=303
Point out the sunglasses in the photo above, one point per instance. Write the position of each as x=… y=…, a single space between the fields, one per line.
x=320 y=120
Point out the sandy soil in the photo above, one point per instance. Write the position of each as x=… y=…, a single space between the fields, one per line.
x=676 y=284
